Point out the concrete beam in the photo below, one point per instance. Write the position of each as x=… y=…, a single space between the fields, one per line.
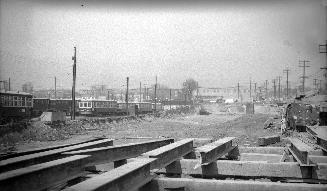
x=299 y=150
x=38 y=150
x=45 y=175
x=271 y=158
x=263 y=141
x=211 y=152
x=130 y=176
x=120 y=152
x=36 y=158
x=226 y=168
x=163 y=184
x=262 y=150
x=169 y=153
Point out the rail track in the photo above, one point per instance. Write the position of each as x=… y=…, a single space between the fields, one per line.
x=166 y=164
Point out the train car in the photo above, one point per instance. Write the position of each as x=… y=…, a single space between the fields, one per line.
x=144 y=107
x=98 y=107
x=15 y=105
x=64 y=105
x=158 y=107
x=40 y=105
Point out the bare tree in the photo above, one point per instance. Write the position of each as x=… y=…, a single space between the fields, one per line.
x=189 y=86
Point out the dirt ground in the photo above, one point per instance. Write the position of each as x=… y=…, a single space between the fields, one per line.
x=220 y=123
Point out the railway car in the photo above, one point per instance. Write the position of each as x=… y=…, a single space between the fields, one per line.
x=15 y=105
x=64 y=105
x=40 y=105
x=144 y=107
x=158 y=107
x=98 y=107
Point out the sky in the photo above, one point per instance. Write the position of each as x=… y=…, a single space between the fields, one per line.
x=218 y=44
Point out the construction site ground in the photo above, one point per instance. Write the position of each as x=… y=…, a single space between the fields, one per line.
x=223 y=121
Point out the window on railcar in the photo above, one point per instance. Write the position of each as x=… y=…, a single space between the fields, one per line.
x=89 y=104
x=24 y=101
x=29 y=102
x=2 y=101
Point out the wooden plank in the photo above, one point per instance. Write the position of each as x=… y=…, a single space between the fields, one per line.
x=45 y=175
x=262 y=150
x=169 y=153
x=120 y=152
x=194 y=184
x=38 y=150
x=268 y=140
x=299 y=151
x=318 y=159
x=226 y=168
x=215 y=150
x=130 y=176
x=271 y=158
x=36 y=158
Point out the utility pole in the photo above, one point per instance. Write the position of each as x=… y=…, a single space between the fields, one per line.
x=169 y=99
x=266 y=89
x=55 y=79
x=155 y=95
x=126 y=98
x=9 y=84
x=238 y=90
x=250 y=88
x=315 y=83
x=286 y=71
x=74 y=83
x=279 y=87
x=303 y=76
x=255 y=89
x=140 y=92
x=274 y=82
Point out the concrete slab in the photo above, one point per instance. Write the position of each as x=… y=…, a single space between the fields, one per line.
x=271 y=158
x=268 y=140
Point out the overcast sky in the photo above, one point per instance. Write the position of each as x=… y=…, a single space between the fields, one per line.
x=217 y=44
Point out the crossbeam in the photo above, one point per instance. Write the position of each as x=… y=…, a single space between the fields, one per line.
x=119 y=152
x=262 y=150
x=271 y=158
x=299 y=150
x=215 y=150
x=37 y=150
x=42 y=176
x=163 y=184
x=36 y=158
x=130 y=176
x=223 y=168
x=169 y=153
x=268 y=140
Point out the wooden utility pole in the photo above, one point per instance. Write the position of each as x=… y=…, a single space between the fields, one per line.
x=170 y=99
x=315 y=83
x=279 y=87
x=274 y=82
x=238 y=90
x=126 y=97
x=9 y=84
x=303 y=76
x=55 y=81
x=155 y=95
x=255 y=89
x=250 y=88
x=286 y=71
x=266 y=89
x=140 y=92
x=74 y=83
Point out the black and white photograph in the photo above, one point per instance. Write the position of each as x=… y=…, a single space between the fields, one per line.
x=163 y=95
